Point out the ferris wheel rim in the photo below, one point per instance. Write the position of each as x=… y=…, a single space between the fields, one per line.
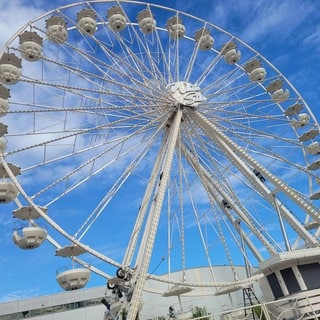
x=173 y=95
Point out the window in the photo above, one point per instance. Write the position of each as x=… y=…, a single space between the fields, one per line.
x=290 y=280
x=310 y=274
x=51 y=309
x=274 y=285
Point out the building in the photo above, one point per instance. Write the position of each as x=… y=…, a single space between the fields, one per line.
x=158 y=296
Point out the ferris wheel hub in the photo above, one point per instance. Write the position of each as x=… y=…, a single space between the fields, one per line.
x=186 y=94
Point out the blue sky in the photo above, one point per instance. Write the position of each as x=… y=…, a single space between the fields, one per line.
x=287 y=33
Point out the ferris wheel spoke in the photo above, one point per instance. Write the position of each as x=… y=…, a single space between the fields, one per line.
x=218 y=192
x=222 y=236
x=163 y=59
x=235 y=204
x=191 y=62
x=78 y=260
x=294 y=196
x=221 y=79
x=140 y=71
x=61 y=137
x=119 y=153
x=248 y=131
x=107 y=198
x=138 y=64
x=249 y=135
x=126 y=95
x=159 y=59
x=51 y=222
x=91 y=172
x=204 y=240
x=97 y=78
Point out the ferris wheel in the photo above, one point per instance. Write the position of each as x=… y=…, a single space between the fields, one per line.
x=133 y=123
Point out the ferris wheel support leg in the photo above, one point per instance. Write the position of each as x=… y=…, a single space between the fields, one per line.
x=145 y=250
x=143 y=208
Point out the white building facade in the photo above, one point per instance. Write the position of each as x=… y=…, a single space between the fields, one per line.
x=86 y=304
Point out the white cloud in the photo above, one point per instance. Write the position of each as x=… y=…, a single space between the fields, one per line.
x=14 y=15
x=274 y=19
x=312 y=39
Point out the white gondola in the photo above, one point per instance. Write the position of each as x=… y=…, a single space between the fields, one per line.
x=73 y=279
x=314 y=148
x=315 y=196
x=29 y=237
x=232 y=56
x=30 y=45
x=175 y=27
x=230 y=53
x=117 y=19
x=8 y=191
x=314 y=165
x=4 y=102
x=258 y=75
x=311 y=134
x=293 y=109
x=10 y=68
x=3 y=129
x=274 y=86
x=13 y=168
x=146 y=22
x=280 y=95
x=204 y=39
x=301 y=121
x=56 y=29
x=3 y=144
x=177 y=290
x=87 y=21
x=27 y=213
x=311 y=225
x=256 y=72
x=70 y=251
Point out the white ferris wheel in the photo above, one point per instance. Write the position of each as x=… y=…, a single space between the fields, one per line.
x=133 y=123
